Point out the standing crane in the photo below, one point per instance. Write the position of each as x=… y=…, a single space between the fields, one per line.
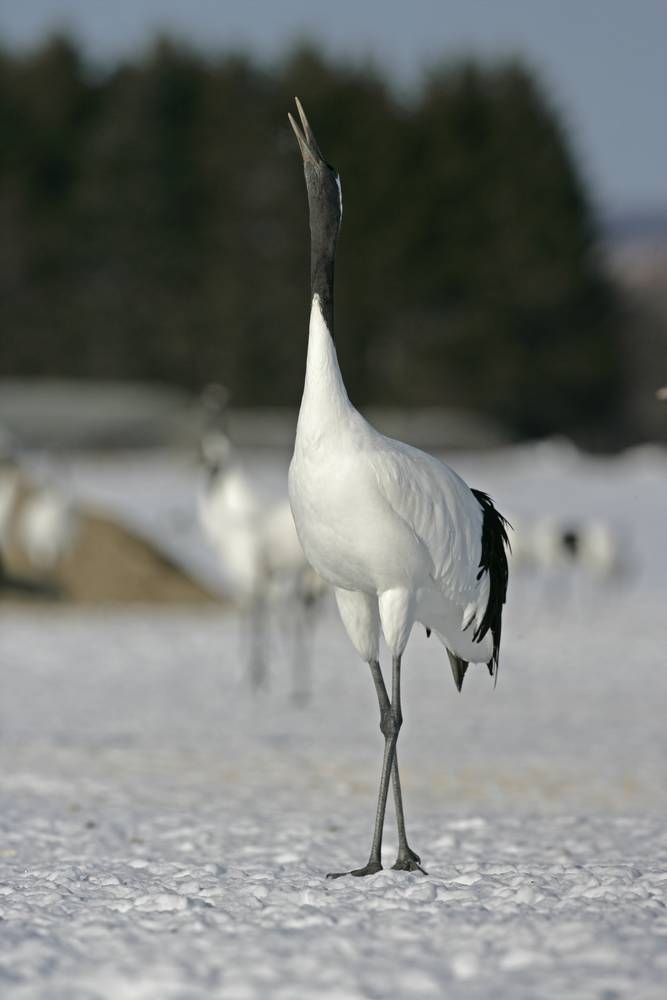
x=9 y=489
x=48 y=524
x=397 y=533
x=258 y=549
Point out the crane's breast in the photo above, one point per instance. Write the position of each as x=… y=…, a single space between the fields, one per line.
x=349 y=533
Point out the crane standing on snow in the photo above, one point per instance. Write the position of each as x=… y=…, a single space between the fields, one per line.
x=258 y=549
x=48 y=524
x=9 y=488
x=397 y=533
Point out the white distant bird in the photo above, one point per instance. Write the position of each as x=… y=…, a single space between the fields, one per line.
x=591 y=545
x=258 y=549
x=9 y=485
x=602 y=552
x=48 y=525
x=555 y=544
x=397 y=533
x=522 y=556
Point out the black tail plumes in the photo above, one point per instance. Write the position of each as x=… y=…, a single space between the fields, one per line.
x=493 y=561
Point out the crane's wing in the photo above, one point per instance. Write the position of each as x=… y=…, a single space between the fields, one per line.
x=439 y=508
x=459 y=527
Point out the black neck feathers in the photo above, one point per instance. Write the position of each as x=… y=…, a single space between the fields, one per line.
x=325 y=208
x=322 y=279
x=324 y=205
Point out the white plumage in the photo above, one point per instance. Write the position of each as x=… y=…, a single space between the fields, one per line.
x=384 y=521
x=9 y=484
x=259 y=552
x=602 y=551
x=48 y=526
x=256 y=541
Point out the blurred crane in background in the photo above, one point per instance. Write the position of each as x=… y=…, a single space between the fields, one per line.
x=37 y=522
x=48 y=522
x=9 y=484
x=591 y=546
x=258 y=549
x=565 y=554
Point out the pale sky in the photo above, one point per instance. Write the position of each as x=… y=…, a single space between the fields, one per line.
x=604 y=62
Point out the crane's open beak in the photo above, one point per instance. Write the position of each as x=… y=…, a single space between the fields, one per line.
x=307 y=142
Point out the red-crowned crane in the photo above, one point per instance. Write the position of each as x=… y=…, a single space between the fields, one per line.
x=397 y=533
x=258 y=549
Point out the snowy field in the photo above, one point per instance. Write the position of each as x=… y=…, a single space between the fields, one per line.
x=165 y=836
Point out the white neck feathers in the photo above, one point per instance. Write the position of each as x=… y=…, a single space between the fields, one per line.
x=325 y=399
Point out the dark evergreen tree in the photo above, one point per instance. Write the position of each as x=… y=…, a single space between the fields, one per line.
x=154 y=227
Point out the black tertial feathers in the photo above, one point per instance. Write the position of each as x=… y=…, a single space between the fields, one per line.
x=459 y=668
x=493 y=561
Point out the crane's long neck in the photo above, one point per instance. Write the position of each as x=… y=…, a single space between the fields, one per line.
x=324 y=213
x=322 y=259
x=325 y=401
x=324 y=396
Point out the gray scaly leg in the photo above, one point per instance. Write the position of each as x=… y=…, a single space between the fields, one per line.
x=391 y=719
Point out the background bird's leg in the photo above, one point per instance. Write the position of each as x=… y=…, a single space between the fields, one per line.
x=257 y=638
x=300 y=653
x=390 y=724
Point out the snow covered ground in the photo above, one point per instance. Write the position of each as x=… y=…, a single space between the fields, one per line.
x=165 y=835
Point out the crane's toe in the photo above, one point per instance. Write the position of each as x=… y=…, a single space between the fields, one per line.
x=408 y=861
x=369 y=869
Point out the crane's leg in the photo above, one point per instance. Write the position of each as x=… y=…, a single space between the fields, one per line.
x=391 y=719
x=300 y=652
x=407 y=859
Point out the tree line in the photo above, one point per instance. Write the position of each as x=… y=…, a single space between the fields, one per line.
x=154 y=226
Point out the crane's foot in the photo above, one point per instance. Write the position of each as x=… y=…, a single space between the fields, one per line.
x=370 y=869
x=408 y=861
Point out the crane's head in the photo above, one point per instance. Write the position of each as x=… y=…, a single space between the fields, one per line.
x=214 y=402
x=325 y=196
x=215 y=448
